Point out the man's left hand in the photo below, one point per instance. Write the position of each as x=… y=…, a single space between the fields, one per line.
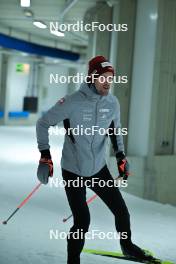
x=123 y=165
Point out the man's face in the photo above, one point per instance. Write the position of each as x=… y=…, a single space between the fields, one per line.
x=103 y=83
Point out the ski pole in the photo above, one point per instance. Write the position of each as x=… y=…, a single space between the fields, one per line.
x=23 y=203
x=88 y=201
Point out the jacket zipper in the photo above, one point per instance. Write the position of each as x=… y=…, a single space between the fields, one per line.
x=94 y=136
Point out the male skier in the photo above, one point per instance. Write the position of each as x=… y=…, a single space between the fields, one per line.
x=84 y=155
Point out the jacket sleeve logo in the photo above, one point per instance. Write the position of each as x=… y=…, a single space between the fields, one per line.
x=62 y=100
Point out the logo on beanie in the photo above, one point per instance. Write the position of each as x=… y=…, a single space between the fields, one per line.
x=106 y=64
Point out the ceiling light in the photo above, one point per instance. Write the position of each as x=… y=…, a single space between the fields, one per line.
x=39 y=24
x=153 y=16
x=25 y=3
x=55 y=61
x=24 y=54
x=109 y=3
x=28 y=13
x=57 y=33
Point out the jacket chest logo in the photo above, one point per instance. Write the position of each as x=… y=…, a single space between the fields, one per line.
x=104 y=110
x=103 y=113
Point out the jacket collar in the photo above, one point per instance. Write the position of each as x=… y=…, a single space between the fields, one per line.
x=91 y=91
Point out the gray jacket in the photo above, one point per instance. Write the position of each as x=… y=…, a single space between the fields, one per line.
x=85 y=155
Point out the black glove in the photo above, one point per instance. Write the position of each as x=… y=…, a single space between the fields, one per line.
x=45 y=167
x=123 y=165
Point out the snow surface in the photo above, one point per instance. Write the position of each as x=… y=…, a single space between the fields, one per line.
x=25 y=239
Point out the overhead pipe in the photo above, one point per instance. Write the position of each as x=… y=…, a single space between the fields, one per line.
x=32 y=48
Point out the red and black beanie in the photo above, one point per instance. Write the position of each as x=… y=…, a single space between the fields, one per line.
x=99 y=65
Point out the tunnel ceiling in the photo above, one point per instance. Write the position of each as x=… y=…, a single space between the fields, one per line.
x=14 y=22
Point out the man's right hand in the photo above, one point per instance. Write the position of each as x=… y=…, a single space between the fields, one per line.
x=45 y=167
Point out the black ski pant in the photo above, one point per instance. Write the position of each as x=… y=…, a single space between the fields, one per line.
x=76 y=196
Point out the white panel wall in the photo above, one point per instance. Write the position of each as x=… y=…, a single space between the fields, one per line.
x=0 y=73
x=143 y=65
x=51 y=93
x=16 y=84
